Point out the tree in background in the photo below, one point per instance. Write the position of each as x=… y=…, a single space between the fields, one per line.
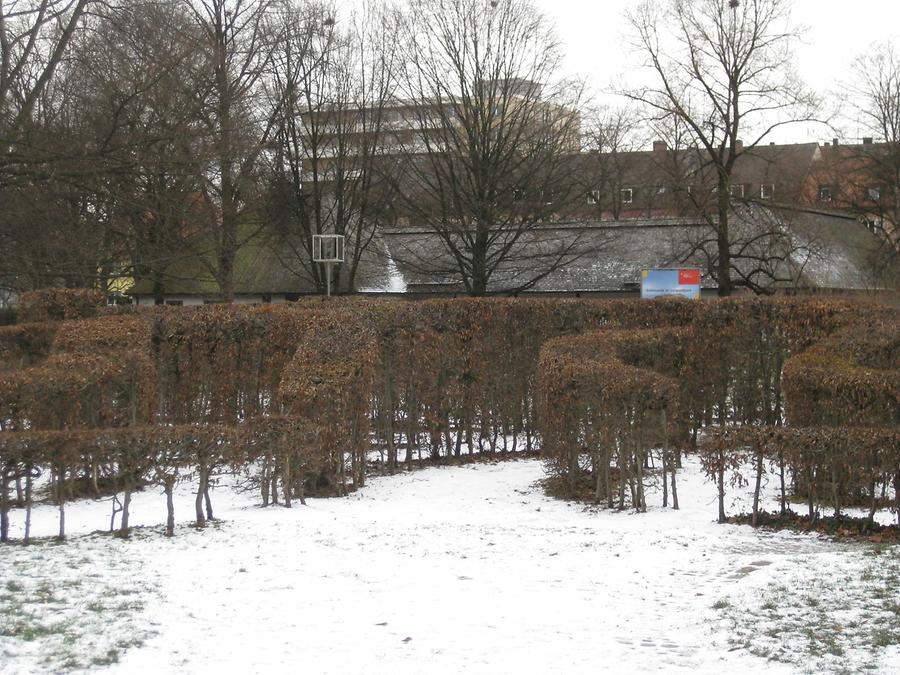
x=609 y=137
x=875 y=185
x=493 y=125
x=334 y=76
x=726 y=70
x=35 y=36
x=238 y=44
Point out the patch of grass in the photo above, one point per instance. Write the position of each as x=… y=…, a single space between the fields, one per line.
x=110 y=657
x=721 y=604
x=29 y=630
x=70 y=619
x=885 y=637
x=835 y=623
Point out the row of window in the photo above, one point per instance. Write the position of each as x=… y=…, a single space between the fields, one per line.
x=827 y=193
x=738 y=191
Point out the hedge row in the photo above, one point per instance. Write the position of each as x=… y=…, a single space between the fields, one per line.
x=617 y=378
x=25 y=344
x=601 y=400
x=851 y=378
x=839 y=368
x=56 y=304
x=830 y=466
x=129 y=458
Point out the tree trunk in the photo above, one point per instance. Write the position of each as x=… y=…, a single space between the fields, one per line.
x=198 y=502
x=4 y=507
x=756 y=488
x=168 y=486
x=286 y=483
x=126 y=505
x=61 y=502
x=720 y=480
x=28 y=486
x=723 y=244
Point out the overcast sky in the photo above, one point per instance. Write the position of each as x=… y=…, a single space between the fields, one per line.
x=594 y=31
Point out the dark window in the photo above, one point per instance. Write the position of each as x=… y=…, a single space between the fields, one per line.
x=626 y=195
x=767 y=191
x=825 y=193
x=737 y=191
x=292 y=297
x=175 y=303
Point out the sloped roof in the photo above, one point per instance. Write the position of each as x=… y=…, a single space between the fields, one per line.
x=266 y=263
x=820 y=249
x=844 y=250
x=827 y=250
x=600 y=256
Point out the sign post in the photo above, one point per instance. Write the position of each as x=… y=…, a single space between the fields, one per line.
x=328 y=249
x=684 y=282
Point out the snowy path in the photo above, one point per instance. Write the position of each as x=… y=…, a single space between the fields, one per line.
x=447 y=570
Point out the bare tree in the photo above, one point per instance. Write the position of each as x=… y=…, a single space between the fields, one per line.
x=871 y=172
x=724 y=69
x=238 y=44
x=610 y=136
x=116 y=153
x=491 y=125
x=34 y=39
x=335 y=79
x=34 y=36
x=139 y=78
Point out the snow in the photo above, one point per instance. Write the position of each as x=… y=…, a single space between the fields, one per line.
x=468 y=569
x=395 y=282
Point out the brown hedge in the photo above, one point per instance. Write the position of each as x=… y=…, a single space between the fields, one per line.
x=25 y=344
x=435 y=377
x=79 y=391
x=56 y=304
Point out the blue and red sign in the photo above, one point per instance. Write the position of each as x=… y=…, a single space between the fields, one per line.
x=659 y=282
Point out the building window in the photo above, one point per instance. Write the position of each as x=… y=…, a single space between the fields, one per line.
x=626 y=195
x=593 y=197
x=874 y=193
x=518 y=194
x=825 y=193
x=767 y=191
x=737 y=191
x=660 y=189
x=175 y=303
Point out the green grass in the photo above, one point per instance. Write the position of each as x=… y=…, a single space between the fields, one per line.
x=829 y=623
x=59 y=617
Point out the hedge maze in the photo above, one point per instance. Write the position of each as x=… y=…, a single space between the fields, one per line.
x=306 y=397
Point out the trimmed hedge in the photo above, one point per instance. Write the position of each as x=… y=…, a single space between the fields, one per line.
x=56 y=304
x=606 y=387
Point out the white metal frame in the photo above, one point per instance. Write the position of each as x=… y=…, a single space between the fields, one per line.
x=328 y=249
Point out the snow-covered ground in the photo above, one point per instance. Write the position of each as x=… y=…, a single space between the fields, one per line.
x=466 y=569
